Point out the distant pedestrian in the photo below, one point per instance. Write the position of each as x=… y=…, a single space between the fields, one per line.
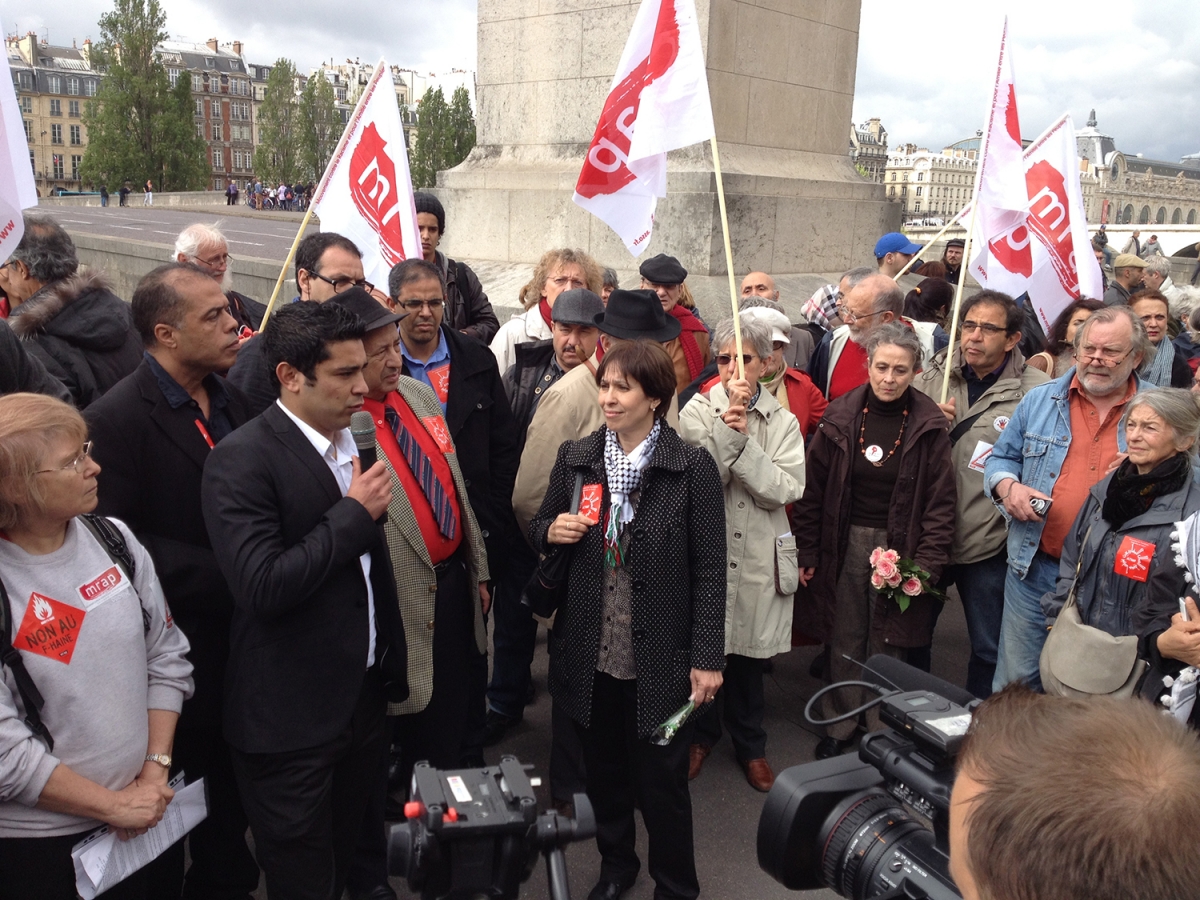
x=148 y=197
x=1152 y=248
x=124 y=192
x=103 y=195
x=230 y=194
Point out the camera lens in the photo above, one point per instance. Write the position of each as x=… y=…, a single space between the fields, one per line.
x=857 y=835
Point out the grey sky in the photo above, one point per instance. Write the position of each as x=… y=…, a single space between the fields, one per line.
x=924 y=69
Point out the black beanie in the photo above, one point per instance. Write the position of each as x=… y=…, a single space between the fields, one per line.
x=427 y=203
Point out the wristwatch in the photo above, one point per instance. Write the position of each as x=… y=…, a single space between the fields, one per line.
x=162 y=759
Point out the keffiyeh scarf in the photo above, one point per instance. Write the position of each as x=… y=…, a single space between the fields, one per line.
x=624 y=474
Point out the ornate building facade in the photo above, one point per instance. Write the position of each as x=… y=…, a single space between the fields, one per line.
x=868 y=149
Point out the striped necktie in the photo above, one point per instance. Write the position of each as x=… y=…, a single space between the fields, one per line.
x=422 y=470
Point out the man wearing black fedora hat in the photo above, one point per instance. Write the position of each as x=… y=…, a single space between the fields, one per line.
x=568 y=411
x=690 y=351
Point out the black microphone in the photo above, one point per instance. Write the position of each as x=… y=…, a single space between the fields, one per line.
x=904 y=677
x=362 y=430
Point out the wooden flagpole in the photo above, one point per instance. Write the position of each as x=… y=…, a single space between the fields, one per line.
x=929 y=243
x=317 y=194
x=962 y=280
x=733 y=294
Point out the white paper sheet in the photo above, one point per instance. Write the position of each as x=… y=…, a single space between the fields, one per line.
x=102 y=861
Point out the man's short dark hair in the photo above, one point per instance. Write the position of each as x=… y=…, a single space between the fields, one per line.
x=647 y=363
x=1081 y=799
x=409 y=270
x=157 y=299
x=46 y=249
x=300 y=335
x=313 y=247
x=1014 y=318
x=427 y=203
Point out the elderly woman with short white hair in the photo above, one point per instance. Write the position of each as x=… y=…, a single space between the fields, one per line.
x=760 y=456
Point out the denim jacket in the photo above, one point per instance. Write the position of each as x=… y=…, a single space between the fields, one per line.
x=1032 y=449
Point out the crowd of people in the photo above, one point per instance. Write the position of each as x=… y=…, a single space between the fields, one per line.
x=265 y=611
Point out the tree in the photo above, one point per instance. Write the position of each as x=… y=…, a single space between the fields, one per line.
x=445 y=134
x=137 y=129
x=320 y=125
x=277 y=157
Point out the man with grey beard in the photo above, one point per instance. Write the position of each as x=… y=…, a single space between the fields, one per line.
x=205 y=246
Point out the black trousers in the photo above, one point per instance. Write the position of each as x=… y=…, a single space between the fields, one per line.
x=41 y=869
x=306 y=807
x=623 y=768
x=434 y=734
x=741 y=696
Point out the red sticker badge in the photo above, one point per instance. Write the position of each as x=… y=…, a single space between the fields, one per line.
x=589 y=502
x=49 y=628
x=436 y=426
x=440 y=379
x=99 y=586
x=1133 y=558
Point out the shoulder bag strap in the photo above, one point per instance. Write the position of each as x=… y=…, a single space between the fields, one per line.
x=1078 y=564
x=112 y=540
x=964 y=426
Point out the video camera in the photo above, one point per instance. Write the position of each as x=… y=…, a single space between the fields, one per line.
x=477 y=833
x=875 y=825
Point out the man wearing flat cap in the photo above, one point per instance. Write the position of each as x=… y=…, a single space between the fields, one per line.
x=689 y=352
x=952 y=259
x=1127 y=278
x=568 y=411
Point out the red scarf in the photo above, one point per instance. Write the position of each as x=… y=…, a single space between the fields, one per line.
x=689 y=325
x=544 y=309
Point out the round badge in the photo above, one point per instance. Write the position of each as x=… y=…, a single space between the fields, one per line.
x=1000 y=424
x=874 y=453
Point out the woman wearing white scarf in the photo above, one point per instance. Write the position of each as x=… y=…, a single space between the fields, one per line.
x=1166 y=368
x=642 y=626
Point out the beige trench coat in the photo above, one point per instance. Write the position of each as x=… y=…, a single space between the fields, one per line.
x=762 y=472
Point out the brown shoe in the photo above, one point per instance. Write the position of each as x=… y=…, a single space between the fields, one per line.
x=759 y=774
x=697 y=753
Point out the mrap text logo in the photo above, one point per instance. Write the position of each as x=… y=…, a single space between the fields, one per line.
x=49 y=628
x=101 y=585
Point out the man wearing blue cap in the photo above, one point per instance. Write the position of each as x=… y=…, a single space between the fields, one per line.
x=892 y=253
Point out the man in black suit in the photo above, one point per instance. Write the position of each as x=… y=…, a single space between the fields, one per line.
x=464 y=376
x=153 y=432
x=317 y=645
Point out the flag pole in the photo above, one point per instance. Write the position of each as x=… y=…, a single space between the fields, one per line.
x=337 y=153
x=929 y=243
x=962 y=280
x=733 y=294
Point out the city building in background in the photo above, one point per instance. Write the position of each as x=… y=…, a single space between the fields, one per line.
x=222 y=101
x=868 y=149
x=52 y=84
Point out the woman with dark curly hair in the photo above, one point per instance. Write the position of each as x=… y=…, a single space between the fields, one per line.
x=1058 y=353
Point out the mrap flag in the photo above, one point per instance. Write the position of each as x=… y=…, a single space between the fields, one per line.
x=658 y=102
x=366 y=193
x=17 y=190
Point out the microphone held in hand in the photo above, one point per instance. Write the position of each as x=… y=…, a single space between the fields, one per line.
x=362 y=430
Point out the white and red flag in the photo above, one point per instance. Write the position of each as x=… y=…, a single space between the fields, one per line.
x=17 y=190
x=1048 y=253
x=366 y=193
x=658 y=102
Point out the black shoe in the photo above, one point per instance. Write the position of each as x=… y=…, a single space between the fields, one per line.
x=608 y=890
x=829 y=747
x=383 y=892
x=497 y=726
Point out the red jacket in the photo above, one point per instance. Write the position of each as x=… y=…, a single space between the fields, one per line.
x=805 y=401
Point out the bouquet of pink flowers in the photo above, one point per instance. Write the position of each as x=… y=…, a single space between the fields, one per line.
x=900 y=579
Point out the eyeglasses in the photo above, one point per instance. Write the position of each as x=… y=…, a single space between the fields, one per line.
x=850 y=318
x=1103 y=357
x=725 y=359
x=986 y=327
x=413 y=306
x=216 y=262
x=73 y=464
x=344 y=284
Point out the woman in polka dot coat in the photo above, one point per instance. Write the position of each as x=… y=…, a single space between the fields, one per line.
x=642 y=627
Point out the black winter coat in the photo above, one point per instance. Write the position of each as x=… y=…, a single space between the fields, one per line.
x=528 y=378
x=467 y=306
x=676 y=557
x=152 y=461
x=485 y=436
x=81 y=332
x=20 y=370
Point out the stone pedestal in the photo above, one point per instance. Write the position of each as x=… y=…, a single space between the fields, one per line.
x=781 y=76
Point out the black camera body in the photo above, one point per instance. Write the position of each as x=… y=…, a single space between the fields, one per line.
x=875 y=825
x=477 y=833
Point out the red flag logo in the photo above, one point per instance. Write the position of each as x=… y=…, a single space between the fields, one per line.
x=605 y=169
x=1011 y=250
x=1050 y=218
x=375 y=192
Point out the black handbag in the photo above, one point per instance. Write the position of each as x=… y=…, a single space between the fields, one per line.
x=547 y=587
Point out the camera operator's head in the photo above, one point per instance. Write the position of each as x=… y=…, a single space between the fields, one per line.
x=1075 y=800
